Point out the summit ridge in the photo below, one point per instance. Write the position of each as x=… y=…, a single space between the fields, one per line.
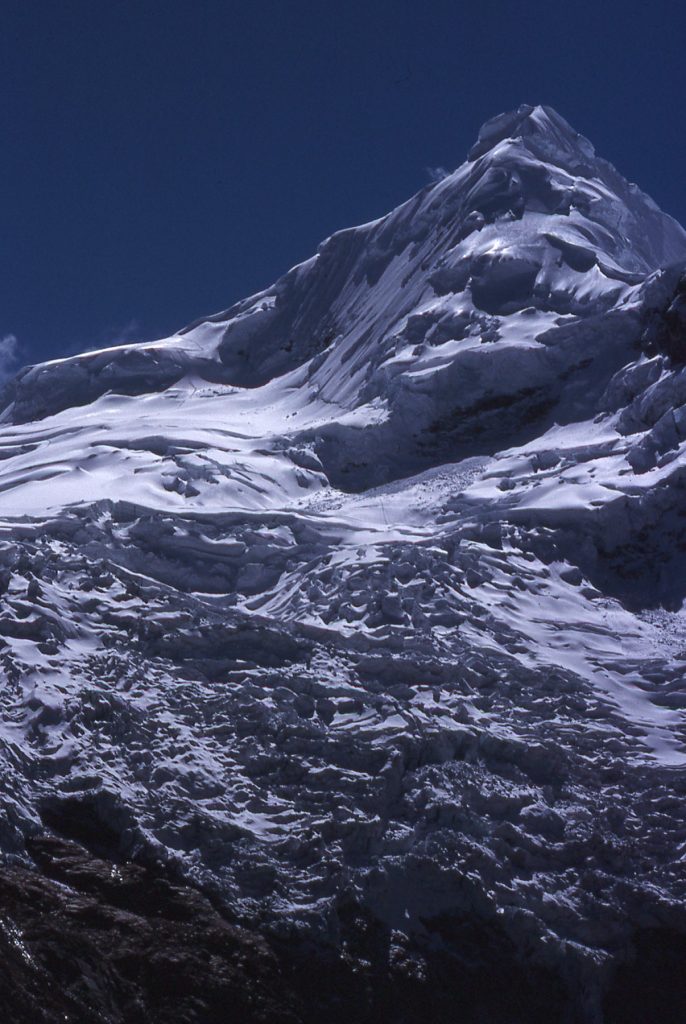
x=540 y=124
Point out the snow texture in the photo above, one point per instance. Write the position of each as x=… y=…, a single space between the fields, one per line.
x=372 y=583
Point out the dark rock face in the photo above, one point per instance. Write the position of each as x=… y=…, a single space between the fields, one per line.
x=675 y=320
x=665 y=331
x=87 y=940
x=651 y=985
x=92 y=941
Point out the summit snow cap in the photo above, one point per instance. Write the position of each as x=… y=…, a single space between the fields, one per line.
x=540 y=128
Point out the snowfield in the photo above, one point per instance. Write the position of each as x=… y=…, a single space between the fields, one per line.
x=370 y=587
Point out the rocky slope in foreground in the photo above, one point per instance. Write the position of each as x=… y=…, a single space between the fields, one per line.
x=341 y=632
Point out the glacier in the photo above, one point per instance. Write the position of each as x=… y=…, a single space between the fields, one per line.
x=358 y=606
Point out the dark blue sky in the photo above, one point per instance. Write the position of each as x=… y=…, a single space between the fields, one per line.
x=163 y=159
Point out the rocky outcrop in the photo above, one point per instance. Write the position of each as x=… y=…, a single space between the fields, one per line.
x=95 y=941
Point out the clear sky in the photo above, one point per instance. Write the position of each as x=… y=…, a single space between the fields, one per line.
x=162 y=159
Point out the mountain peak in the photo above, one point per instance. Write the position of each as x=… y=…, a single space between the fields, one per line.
x=352 y=585
x=533 y=221
x=540 y=128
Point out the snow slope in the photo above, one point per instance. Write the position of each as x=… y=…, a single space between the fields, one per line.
x=372 y=583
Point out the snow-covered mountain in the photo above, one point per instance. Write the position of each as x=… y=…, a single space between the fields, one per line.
x=366 y=592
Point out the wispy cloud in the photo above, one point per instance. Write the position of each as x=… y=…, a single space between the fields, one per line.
x=437 y=173
x=123 y=335
x=109 y=337
x=130 y=332
x=10 y=356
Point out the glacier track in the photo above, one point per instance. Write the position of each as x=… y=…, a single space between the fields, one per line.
x=341 y=639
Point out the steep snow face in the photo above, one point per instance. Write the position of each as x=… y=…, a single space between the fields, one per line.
x=371 y=583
